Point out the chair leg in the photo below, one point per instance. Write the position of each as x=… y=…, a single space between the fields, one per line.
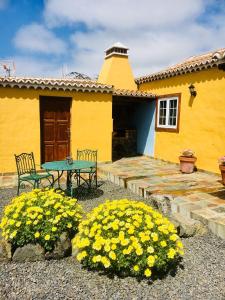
x=52 y=185
x=90 y=179
x=18 y=188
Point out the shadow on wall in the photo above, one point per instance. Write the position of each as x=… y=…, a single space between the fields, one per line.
x=145 y=125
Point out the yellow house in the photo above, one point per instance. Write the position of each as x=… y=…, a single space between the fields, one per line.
x=55 y=117
x=190 y=109
x=157 y=115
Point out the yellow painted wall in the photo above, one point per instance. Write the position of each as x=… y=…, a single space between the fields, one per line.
x=117 y=71
x=19 y=126
x=91 y=123
x=91 y=117
x=202 y=119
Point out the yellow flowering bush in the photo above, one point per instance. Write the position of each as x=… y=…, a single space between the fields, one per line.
x=127 y=236
x=40 y=217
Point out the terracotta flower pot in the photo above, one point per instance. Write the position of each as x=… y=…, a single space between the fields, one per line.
x=222 y=170
x=187 y=164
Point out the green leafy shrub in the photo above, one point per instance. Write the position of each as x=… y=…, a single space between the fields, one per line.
x=40 y=217
x=129 y=237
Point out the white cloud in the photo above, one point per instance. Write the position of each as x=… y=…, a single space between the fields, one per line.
x=122 y=14
x=29 y=66
x=36 y=38
x=158 y=33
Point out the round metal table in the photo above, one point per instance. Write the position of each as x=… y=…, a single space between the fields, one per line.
x=63 y=165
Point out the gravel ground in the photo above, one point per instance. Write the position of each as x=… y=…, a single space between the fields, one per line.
x=201 y=275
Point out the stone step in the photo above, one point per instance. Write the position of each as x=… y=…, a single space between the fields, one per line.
x=186 y=226
x=213 y=219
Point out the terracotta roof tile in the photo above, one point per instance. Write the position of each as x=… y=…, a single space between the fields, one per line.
x=192 y=64
x=55 y=84
x=69 y=84
x=132 y=93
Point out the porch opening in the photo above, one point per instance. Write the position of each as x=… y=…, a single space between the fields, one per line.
x=133 y=126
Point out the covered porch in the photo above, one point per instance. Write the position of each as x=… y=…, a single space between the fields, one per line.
x=133 y=114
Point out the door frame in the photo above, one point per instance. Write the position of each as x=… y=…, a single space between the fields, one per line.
x=41 y=99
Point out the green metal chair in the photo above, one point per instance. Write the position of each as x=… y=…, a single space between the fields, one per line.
x=26 y=171
x=89 y=155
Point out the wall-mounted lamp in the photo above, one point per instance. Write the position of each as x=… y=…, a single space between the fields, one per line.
x=192 y=90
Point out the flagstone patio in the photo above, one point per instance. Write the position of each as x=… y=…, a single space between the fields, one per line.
x=199 y=195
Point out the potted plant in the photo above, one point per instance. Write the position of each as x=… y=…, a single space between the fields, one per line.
x=222 y=168
x=187 y=161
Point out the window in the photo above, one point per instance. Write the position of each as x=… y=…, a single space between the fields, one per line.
x=168 y=113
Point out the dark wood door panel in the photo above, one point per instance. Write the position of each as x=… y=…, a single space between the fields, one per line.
x=62 y=133
x=62 y=151
x=55 y=128
x=48 y=152
x=49 y=132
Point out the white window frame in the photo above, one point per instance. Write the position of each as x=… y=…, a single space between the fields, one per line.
x=167 y=99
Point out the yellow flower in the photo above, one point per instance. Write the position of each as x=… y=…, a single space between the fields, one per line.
x=18 y=223
x=47 y=237
x=131 y=230
x=81 y=255
x=124 y=242
x=107 y=248
x=105 y=262
x=97 y=246
x=69 y=225
x=139 y=251
x=35 y=222
x=148 y=272
x=173 y=237
x=115 y=240
x=151 y=260
x=11 y=222
x=154 y=237
x=37 y=234
x=181 y=252
x=28 y=222
x=112 y=255
x=136 y=268
x=179 y=244
x=150 y=249
x=15 y=216
x=54 y=229
x=171 y=253
x=96 y=258
x=13 y=234
x=163 y=243
x=113 y=247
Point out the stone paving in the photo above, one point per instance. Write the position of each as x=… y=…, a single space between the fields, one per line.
x=199 y=195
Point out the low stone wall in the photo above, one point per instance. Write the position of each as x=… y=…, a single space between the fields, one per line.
x=10 y=180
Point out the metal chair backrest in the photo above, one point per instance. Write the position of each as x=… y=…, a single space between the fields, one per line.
x=87 y=154
x=25 y=163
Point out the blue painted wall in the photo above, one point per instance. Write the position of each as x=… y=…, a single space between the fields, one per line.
x=145 y=125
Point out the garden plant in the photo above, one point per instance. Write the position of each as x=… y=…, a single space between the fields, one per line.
x=40 y=217
x=128 y=237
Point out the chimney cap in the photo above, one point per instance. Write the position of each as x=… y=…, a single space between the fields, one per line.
x=116 y=49
x=117 y=45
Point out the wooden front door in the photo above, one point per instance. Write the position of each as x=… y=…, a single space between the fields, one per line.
x=55 y=128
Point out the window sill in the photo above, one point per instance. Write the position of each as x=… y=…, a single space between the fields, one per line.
x=160 y=129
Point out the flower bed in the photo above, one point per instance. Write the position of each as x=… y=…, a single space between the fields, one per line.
x=129 y=237
x=40 y=217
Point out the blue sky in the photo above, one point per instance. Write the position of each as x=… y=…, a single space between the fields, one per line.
x=44 y=37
